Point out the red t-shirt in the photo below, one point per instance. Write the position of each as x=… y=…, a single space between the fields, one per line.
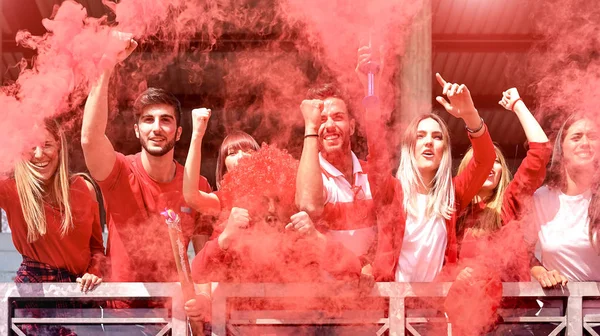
x=139 y=248
x=79 y=251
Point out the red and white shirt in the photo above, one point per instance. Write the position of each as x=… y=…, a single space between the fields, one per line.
x=349 y=211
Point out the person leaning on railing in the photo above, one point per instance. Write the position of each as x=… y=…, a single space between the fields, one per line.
x=417 y=209
x=262 y=237
x=54 y=222
x=488 y=226
x=59 y=238
x=565 y=219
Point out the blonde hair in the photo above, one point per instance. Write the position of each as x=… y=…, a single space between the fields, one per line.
x=30 y=189
x=441 y=202
x=491 y=218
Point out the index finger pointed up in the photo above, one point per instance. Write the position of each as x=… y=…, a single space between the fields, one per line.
x=440 y=79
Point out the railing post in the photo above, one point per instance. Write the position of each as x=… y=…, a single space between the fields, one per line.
x=4 y=308
x=574 y=315
x=219 y=311
x=179 y=318
x=397 y=316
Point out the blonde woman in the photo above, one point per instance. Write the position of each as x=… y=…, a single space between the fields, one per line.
x=53 y=216
x=502 y=199
x=417 y=210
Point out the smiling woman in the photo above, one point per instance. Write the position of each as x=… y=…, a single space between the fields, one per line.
x=60 y=240
x=566 y=216
x=54 y=220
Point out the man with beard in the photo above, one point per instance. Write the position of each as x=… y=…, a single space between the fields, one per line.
x=332 y=183
x=138 y=187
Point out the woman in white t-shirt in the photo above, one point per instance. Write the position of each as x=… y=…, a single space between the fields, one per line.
x=417 y=209
x=565 y=217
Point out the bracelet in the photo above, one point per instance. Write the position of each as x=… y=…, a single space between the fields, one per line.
x=311 y=135
x=512 y=107
x=475 y=130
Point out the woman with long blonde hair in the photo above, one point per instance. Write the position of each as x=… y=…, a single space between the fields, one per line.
x=502 y=199
x=417 y=210
x=53 y=216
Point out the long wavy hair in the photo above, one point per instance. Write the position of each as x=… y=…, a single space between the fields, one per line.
x=31 y=189
x=491 y=218
x=441 y=202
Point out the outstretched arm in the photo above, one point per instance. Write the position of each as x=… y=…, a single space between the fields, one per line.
x=205 y=203
x=99 y=153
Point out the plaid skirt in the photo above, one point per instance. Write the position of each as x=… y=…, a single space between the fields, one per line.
x=32 y=271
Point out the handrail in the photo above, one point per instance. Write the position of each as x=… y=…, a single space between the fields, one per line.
x=10 y=291
x=397 y=322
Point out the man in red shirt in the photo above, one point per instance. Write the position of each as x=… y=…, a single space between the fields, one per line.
x=138 y=187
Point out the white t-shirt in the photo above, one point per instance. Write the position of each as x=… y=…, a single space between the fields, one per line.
x=349 y=209
x=423 y=248
x=562 y=226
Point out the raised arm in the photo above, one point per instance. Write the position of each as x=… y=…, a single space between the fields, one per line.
x=511 y=100
x=205 y=203
x=468 y=183
x=532 y=171
x=380 y=176
x=99 y=153
x=461 y=105
x=310 y=194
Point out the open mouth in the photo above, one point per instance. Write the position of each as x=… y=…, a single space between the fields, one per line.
x=428 y=154
x=331 y=137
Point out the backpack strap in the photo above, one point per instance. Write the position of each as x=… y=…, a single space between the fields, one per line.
x=99 y=198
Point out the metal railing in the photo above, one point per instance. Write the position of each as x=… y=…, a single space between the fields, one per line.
x=173 y=320
x=573 y=320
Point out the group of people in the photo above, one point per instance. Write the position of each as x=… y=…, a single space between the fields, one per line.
x=329 y=216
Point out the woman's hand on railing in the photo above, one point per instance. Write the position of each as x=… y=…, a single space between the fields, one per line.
x=547 y=278
x=88 y=282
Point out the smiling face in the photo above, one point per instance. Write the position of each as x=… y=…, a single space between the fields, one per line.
x=44 y=158
x=429 y=146
x=336 y=127
x=157 y=129
x=581 y=146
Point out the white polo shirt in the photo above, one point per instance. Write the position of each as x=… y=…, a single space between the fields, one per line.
x=349 y=211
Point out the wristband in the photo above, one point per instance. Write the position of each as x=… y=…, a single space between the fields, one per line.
x=475 y=130
x=311 y=135
x=512 y=107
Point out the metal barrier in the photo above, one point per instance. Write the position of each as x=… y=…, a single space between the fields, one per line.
x=175 y=322
x=573 y=319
